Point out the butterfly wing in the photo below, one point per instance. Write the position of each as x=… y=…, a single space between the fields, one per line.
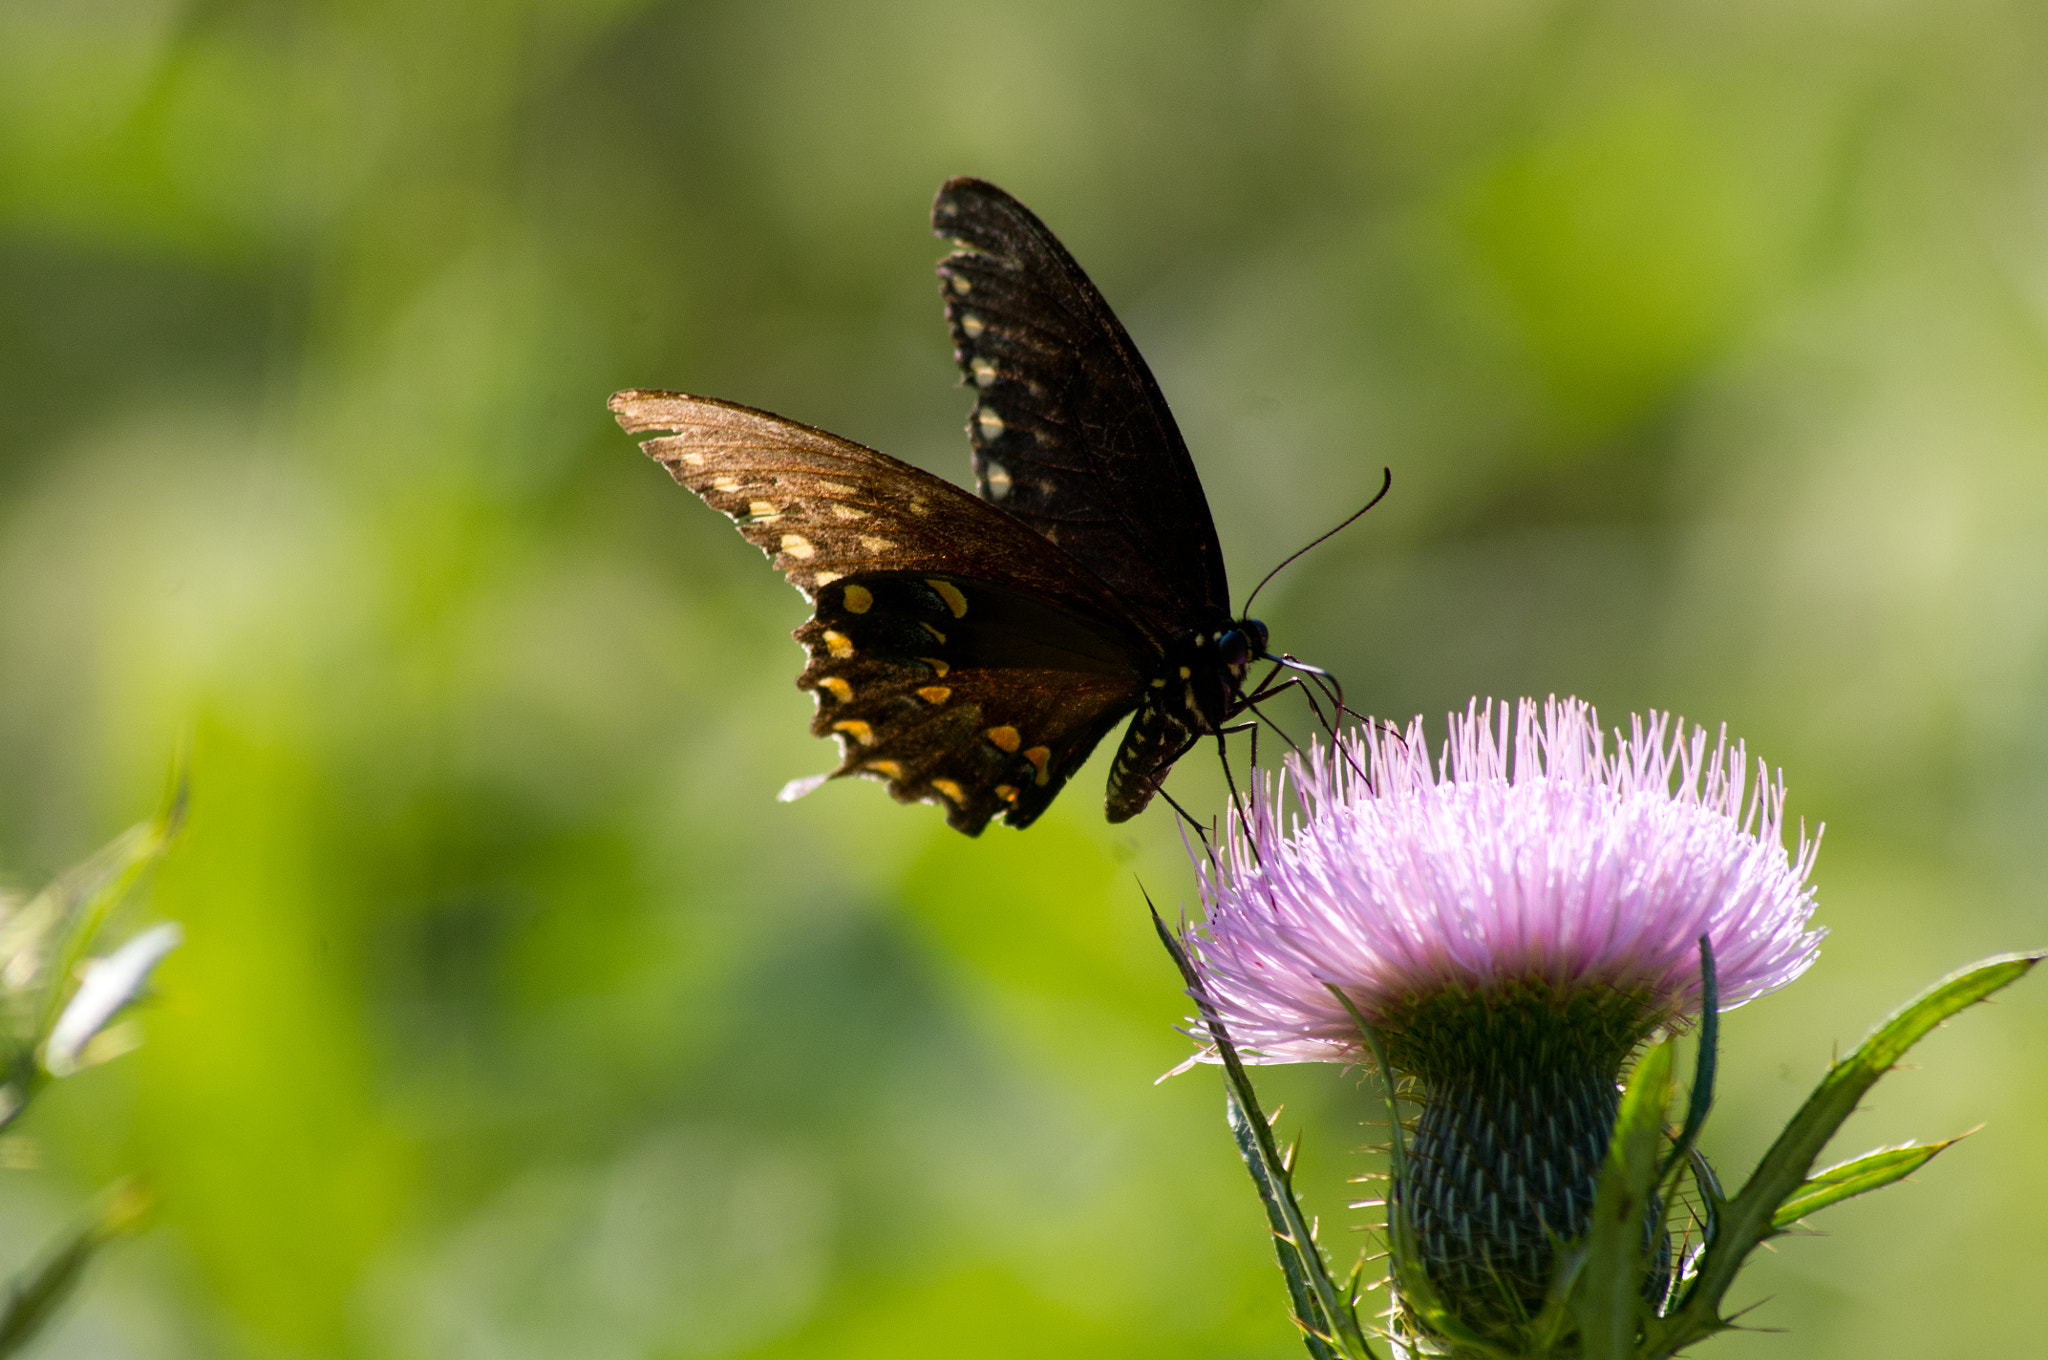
x=1071 y=434
x=953 y=652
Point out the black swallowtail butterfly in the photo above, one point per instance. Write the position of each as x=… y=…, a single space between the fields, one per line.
x=971 y=651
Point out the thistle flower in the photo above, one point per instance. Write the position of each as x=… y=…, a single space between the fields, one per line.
x=1514 y=921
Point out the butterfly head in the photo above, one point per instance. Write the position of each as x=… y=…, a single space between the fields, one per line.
x=1239 y=645
x=1211 y=664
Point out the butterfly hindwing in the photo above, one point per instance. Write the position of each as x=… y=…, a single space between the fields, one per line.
x=954 y=653
x=961 y=691
x=1071 y=434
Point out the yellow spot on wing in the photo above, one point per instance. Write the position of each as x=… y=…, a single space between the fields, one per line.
x=1006 y=793
x=950 y=789
x=991 y=424
x=939 y=667
x=935 y=633
x=885 y=767
x=848 y=512
x=1038 y=756
x=836 y=488
x=796 y=545
x=859 y=600
x=858 y=730
x=935 y=694
x=763 y=509
x=826 y=578
x=837 y=687
x=1005 y=737
x=723 y=483
x=694 y=459
x=961 y=284
x=950 y=593
x=971 y=323
x=839 y=644
x=874 y=544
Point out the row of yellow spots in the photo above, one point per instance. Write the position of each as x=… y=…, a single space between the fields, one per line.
x=859 y=599
x=890 y=769
x=1006 y=739
x=842 y=689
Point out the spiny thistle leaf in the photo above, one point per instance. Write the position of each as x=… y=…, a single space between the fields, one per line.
x=1274 y=1195
x=1752 y=1215
x=1328 y=1320
x=1851 y=1178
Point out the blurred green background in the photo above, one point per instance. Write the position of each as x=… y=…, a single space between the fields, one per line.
x=1708 y=344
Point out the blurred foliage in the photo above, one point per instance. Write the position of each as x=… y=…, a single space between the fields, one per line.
x=1708 y=345
x=62 y=1010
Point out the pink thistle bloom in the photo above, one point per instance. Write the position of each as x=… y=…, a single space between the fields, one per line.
x=1513 y=920
x=1531 y=853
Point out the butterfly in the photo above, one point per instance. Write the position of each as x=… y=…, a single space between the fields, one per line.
x=973 y=650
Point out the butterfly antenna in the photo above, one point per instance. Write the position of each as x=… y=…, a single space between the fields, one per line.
x=1386 y=483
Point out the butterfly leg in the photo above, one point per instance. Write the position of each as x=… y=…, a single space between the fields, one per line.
x=1312 y=682
x=1208 y=850
x=1236 y=800
x=1292 y=744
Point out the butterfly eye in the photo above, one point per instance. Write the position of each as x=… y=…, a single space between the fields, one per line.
x=1234 y=648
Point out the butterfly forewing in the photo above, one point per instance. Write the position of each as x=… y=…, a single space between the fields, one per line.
x=1071 y=434
x=954 y=654
x=822 y=506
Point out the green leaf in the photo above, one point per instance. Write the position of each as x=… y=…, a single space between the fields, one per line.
x=35 y=1293
x=1707 y=1058
x=1276 y=1195
x=1607 y=1296
x=1848 y=1179
x=1328 y=1321
x=1753 y=1214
